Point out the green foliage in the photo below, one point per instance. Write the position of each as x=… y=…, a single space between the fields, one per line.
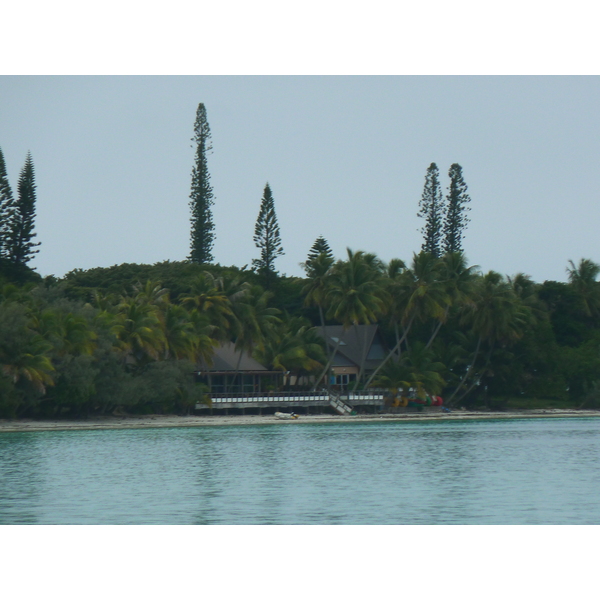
x=354 y=293
x=7 y=208
x=292 y=345
x=319 y=253
x=564 y=309
x=20 y=247
x=416 y=369
x=120 y=339
x=201 y=196
x=267 y=238
x=16 y=226
x=432 y=210
x=456 y=219
x=583 y=281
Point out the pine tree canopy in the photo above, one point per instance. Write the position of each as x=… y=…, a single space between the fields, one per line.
x=20 y=247
x=456 y=219
x=266 y=235
x=201 y=196
x=431 y=209
x=318 y=248
x=6 y=209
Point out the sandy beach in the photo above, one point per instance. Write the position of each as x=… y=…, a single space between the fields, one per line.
x=156 y=421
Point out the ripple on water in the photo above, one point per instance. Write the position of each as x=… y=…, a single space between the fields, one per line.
x=478 y=472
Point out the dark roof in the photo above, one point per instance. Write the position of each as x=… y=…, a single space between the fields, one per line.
x=352 y=344
x=226 y=359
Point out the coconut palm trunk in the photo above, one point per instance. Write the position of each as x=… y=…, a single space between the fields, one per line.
x=327 y=366
x=469 y=370
x=437 y=328
x=363 y=358
x=476 y=379
x=391 y=353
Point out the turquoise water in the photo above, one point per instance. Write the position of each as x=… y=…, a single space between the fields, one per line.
x=537 y=471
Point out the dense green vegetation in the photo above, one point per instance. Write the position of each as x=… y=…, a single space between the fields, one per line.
x=129 y=337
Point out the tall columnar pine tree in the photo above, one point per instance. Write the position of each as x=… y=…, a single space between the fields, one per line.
x=456 y=219
x=319 y=247
x=431 y=209
x=20 y=247
x=266 y=237
x=6 y=209
x=201 y=196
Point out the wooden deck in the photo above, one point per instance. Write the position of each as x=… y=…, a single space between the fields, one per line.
x=289 y=400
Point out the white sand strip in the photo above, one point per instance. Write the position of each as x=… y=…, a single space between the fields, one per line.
x=155 y=421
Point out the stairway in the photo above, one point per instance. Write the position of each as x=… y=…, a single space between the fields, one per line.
x=338 y=404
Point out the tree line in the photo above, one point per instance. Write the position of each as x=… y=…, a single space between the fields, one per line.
x=93 y=343
x=129 y=337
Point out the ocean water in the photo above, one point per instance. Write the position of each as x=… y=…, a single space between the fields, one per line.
x=528 y=471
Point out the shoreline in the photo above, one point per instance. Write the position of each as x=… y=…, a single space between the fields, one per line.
x=164 y=421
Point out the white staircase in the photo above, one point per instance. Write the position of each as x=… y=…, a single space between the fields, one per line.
x=338 y=404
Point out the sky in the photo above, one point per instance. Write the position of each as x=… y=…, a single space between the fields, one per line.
x=345 y=157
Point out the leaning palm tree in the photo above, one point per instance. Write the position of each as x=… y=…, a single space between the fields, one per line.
x=459 y=281
x=497 y=315
x=419 y=294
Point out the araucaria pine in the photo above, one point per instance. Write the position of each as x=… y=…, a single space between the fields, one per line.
x=266 y=237
x=201 y=196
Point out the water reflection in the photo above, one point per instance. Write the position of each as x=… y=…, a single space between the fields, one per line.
x=496 y=472
x=21 y=484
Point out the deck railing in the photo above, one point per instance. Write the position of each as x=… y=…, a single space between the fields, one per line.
x=242 y=397
x=320 y=396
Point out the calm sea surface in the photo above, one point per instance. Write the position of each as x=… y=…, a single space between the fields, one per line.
x=537 y=471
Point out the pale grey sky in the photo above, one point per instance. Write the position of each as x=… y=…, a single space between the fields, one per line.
x=345 y=157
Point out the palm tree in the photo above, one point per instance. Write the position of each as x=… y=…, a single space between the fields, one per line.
x=356 y=294
x=458 y=280
x=208 y=296
x=254 y=318
x=178 y=332
x=315 y=291
x=138 y=331
x=150 y=293
x=527 y=291
x=416 y=369
x=393 y=281
x=419 y=294
x=583 y=280
x=33 y=364
x=292 y=346
x=318 y=271
x=76 y=336
x=496 y=315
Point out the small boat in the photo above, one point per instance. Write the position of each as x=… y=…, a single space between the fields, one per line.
x=285 y=416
